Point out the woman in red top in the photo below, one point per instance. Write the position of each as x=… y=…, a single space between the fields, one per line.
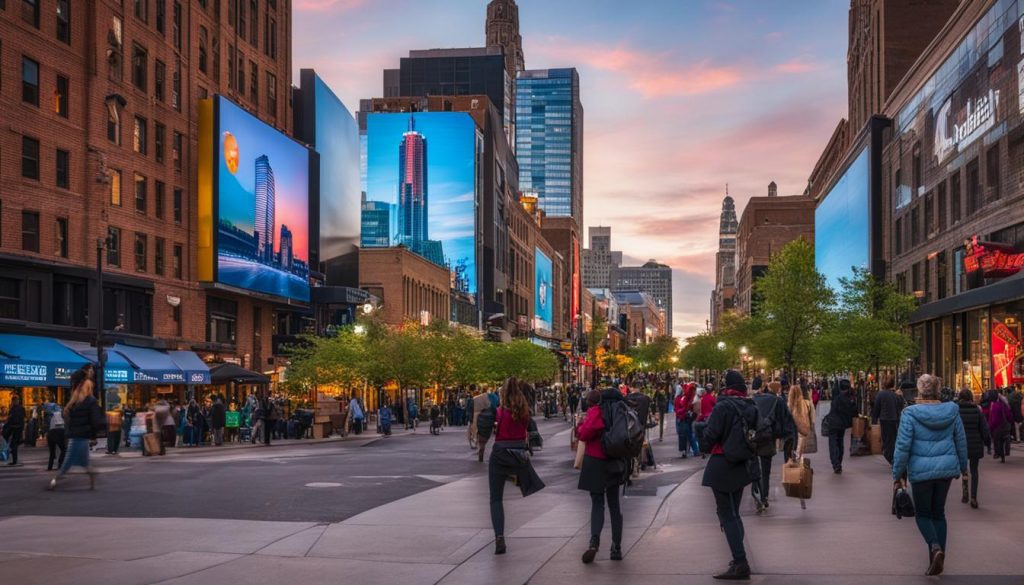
x=685 y=416
x=600 y=475
x=510 y=454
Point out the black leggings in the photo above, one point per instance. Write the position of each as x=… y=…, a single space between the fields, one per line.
x=728 y=507
x=974 y=478
x=496 y=482
x=597 y=513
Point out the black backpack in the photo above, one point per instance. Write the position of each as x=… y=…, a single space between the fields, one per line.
x=744 y=447
x=485 y=422
x=623 y=435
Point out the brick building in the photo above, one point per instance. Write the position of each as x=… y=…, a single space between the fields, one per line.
x=766 y=226
x=409 y=287
x=100 y=101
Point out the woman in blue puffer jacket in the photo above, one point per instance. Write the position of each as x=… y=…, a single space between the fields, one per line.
x=931 y=449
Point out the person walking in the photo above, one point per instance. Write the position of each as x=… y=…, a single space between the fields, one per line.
x=706 y=401
x=574 y=401
x=193 y=423
x=14 y=428
x=802 y=411
x=978 y=437
x=774 y=414
x=218 y=420
x=356 y=413
x=269 y=420
x=163 y=420
x=683 y=405
x=600 y=474
x=84 y=419
x=727 y=472
x=1000 y=422
x=510 y=455
x=931 y=449
x=56 y=438
x=661 y=402
x=1015 y=399
x=886 y=412
x=838 y=419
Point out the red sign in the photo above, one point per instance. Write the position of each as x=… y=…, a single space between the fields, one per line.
x=1006 y=350
x=575 y=302
x=992 y=259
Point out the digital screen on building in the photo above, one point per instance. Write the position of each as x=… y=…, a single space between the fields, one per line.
x=542 y=291
x=842 y=229
x=424 y=165
x=337 y=141
x=260 y=205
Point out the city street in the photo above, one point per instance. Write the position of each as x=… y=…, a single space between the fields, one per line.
x=413 y=509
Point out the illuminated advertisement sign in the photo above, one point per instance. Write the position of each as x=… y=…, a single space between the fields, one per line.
x=576 y=291
x=253 y=204
x=423 y=166
x=842 y=224
x=1007 y=359
x=992 y=259
x=542 y=292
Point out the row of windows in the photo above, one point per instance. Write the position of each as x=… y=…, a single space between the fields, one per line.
x=141 y=9
x=238 y=77
x=62 y=26
x=141 y=195
x=30 y=87
x=31 y=163
x=140 y=76
x=140 y=252
x=140 y=138
x=30 y=233
x=239 y=11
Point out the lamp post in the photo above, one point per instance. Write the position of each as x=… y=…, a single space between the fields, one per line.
x=101 y=356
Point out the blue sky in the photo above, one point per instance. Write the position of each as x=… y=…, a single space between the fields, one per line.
x=680 y=98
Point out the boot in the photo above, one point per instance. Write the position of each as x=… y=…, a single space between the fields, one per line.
x=591 y=552
x=616 y=551
x=499 y=545
x=974 y=503
x=737 y=571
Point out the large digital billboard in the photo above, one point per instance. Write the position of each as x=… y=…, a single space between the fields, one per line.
x=424 y=165
x=842 y=226
x=258 y=205
x=542 y=292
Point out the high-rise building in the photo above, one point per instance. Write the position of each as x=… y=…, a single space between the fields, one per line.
x=502 y=30
x=412 y=187
x=549 y=140
x=724 y=295
x=599 y=259
x=652 y=278
x=265 y=188
x=285 y=257
x=375 y=228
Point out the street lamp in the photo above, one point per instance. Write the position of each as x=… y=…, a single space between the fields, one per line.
x=359 y=330
x=721 y=346
x=743 y=350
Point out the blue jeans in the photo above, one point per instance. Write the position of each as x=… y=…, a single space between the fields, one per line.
x=930 y=509
x=686 y=436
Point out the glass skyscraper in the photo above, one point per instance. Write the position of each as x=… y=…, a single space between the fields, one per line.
x=549 y=140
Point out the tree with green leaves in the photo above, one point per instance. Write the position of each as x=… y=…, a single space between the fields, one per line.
x=521 y=358
x=795 y=304
x=657 y=355
x=704 y=352
x=596 y=335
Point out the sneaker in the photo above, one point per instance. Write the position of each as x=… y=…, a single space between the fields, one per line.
x=737 y=571
x=616 y=552
x=53 y=484
x=938 y=559
x=499 y=545
x=591 y=552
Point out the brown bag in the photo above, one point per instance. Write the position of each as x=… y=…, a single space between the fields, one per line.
x=875 y=439
x=581 y=448
x=152 y=445
x=858 y=428
x=798 y=479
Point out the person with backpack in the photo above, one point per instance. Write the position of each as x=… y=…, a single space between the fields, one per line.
x=978 y=437
x=510 y=455
x=838 y=419
x=774 y=422
x=931 y=450
x=56 y=439
x=729 y=441
x=601 y=473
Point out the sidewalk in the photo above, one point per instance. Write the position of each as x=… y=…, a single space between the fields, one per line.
x=443 y=536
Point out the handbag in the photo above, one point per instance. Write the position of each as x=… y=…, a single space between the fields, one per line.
x=798 y=479
x=826 y=427
x=581 y=449
x=521 y=455
x=810 y=442
x=902 y=504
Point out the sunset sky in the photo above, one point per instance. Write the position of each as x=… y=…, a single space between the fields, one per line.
x=680 y=98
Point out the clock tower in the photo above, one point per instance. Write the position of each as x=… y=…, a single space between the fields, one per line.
x=503 y=31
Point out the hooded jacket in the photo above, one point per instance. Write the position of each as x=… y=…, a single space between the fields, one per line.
x=931 y=443
x=724 y=427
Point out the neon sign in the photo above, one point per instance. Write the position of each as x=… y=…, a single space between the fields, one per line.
x=992 y=259
x=1006 y=350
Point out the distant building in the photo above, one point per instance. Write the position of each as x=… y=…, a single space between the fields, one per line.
x=599 y=259
x=652 y=278
x=410 y=287
x=549 y=140
x=723 y=297
x=286 y=256
x=640 y=317
x=766 y=226
x=264 y=227
x=412 y=188
x=376 y=224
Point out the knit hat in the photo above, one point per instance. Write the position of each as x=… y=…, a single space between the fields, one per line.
x=734 y=381
x=844 y=385
x=755 y=384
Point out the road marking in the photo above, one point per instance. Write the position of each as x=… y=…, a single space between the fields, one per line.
x=323 y=484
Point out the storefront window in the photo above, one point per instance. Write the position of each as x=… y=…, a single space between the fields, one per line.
x=1007 y=355
x=979 y=371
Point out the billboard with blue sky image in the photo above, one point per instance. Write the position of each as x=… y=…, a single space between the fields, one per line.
x=262 y=209
x=424 y=164
x=842 y=224
x=542 y=292
x=337 y=141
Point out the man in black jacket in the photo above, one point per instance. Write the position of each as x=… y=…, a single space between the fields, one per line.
x=14 y=427
x=727 y=472
x=886 y=411
x=218 y=420
x=771 y=409
x=840 y=418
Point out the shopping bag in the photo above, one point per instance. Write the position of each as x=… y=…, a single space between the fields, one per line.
x=581 y=448
x=858 y=428
x=810 y=442
x=875 y=439
x=152 y=445
x=798 y=479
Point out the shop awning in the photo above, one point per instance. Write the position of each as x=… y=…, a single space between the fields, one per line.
x=151 y=365
x=224 y=373
x=196 y=371
x=26 y=360
x=116 y=370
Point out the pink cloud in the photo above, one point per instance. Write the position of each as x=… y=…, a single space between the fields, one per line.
x=328 y=5
x=797 y=65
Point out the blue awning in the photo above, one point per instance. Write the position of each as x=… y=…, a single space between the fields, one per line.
x=151 y=365
x=116 y=370
x=196 y=371
x=26 y=360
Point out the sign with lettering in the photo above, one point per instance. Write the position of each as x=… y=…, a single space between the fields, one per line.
x=1006 y=353
x=993 y=260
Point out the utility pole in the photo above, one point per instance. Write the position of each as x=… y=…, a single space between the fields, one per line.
x=101 y=357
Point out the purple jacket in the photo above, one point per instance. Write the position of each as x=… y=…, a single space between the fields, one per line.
x=999 y=414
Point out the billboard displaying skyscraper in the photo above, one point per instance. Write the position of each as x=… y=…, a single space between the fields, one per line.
x=259 y=198
x=542 y=292
x=424 y=165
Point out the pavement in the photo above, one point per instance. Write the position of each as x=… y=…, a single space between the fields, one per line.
x=440 y=533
